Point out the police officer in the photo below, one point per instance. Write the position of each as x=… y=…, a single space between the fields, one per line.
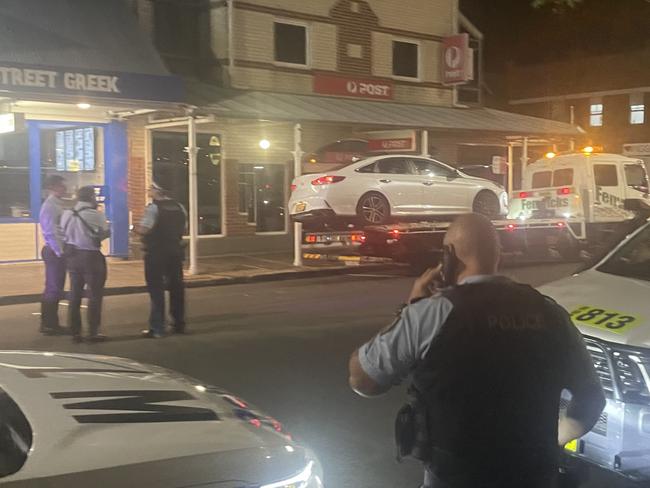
x=162 y=228
x=52 y=254
x=84 y=229
x=489 y=358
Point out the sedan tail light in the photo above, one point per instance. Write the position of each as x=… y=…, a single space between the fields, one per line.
x=327 y=180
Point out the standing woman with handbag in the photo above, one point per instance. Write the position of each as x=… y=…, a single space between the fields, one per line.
x=84 y=229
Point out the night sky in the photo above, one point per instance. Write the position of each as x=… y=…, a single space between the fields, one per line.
x=516 y=31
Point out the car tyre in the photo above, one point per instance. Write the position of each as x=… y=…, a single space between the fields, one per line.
x=373 y=209
x=486 y=203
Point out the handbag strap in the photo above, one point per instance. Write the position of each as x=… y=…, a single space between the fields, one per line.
x=76 y=213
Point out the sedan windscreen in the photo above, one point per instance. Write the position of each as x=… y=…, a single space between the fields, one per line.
x=15 y=436
x=633 y=259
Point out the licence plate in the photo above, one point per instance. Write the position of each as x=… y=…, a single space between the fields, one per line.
x=572 y=446
x=300 y=207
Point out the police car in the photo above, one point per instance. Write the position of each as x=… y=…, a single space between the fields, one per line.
x=84 y=420
x=610 y=304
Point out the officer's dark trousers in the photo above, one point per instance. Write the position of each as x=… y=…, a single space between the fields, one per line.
x=87 y=270
x=53 y=292
x=165 y=271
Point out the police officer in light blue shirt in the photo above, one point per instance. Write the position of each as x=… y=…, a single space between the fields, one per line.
x=488 y=359
x=84 y=229
x=52 y=254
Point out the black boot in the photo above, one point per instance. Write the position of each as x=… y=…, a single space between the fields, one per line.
x=50 y=319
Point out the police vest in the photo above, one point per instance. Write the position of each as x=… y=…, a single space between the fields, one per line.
x=491 y=383
x=167 y=233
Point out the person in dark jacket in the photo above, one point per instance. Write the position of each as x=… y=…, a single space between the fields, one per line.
x=162 y=228
x=52 y=254
x=489 y=359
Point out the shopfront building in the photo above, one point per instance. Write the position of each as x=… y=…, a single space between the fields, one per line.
x=68 y=118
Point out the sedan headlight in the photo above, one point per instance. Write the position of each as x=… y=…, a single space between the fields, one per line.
x=307 y=478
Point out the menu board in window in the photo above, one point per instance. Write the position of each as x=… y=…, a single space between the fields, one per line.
x=75 y=149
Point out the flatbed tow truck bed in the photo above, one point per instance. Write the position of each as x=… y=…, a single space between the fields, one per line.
x=419 y=243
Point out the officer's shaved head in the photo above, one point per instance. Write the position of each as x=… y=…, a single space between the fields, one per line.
x=475 y=242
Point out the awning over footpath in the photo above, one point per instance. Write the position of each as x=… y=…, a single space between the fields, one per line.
x=89 y=48
x=302 y=108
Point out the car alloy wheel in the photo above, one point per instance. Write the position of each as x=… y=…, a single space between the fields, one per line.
x=374 y=209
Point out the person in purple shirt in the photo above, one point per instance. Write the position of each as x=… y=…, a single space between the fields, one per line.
x=52 y=254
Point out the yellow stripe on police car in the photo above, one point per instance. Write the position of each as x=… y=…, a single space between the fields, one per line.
x=602 y=318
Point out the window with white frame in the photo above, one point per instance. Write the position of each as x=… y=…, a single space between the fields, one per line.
x=290 y=42
x=406 y=59
x=637 y=109
x=596 y=114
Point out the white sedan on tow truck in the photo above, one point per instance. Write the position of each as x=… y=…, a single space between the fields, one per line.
x=610 y=304
x=82 y=420
x=378 y=188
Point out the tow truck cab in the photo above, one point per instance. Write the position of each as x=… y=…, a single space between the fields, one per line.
x=588 y=189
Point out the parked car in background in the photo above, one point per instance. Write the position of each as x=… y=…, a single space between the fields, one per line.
x=377 y=189
x=335 y=155
x=85 y=420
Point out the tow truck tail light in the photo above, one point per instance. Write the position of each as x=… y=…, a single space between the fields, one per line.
x=358 y=238
x=524 y=194
x=394 y=233
x=561 y=225
x=293 y=187
x=511 y=227
x=327 y=180
x=310 y=239
x=564 y=191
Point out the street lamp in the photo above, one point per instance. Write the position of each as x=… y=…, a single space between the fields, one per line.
x=265 y=144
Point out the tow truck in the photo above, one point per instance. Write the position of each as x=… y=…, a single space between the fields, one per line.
x=571 y=205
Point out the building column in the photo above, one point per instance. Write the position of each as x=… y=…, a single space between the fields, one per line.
x=297 y=171
x=192 y=151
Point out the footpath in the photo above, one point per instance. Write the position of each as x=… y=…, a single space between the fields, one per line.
x=23 y=282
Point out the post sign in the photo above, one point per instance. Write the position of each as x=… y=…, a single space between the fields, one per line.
x=89 y=83
x=353 y=87
x=391 y=141
x=457 y=63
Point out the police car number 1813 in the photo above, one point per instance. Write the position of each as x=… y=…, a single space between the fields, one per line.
x=611 y=320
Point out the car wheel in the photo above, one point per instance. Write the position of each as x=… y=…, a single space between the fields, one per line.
x=486 y=203
x=373 y=209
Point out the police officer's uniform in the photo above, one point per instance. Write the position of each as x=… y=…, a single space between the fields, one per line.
x=166 y=220
x=489 y=359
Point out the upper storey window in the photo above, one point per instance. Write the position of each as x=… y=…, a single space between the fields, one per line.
x=290 y=43
x=406 y=59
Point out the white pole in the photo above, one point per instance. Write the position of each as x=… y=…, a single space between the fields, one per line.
x=297 y=171
x=424 y=141
x=511 y=169
x=231 y=40
x=192 y=151
x=524 y=158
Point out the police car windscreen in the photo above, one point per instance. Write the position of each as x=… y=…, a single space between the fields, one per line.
x=15 y=436
x=633 y=259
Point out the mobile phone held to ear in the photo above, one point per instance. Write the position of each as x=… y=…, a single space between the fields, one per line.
x=449 y=266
